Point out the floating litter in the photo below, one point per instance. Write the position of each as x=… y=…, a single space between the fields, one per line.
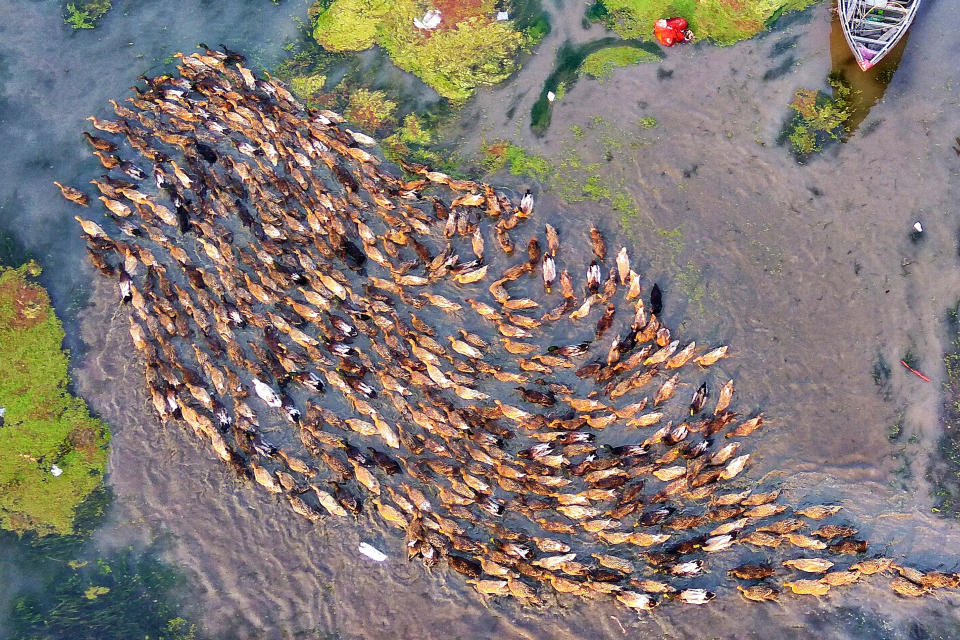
x=429 y=21
x=372 y=552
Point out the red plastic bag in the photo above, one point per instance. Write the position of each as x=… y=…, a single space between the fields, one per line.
x=678 y=24
x=669 y=32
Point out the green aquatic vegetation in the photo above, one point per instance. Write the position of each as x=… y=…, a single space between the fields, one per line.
x=523 y=163
x=595 y=188
x=468 y=50
x=881 y=376
x=944 y=470
x=673 y=242
x=370 y=109
x=308 y=86
x=690 y=280
x=566 y=70
x=518 y=161
x=414 y=131
x=78 y=18
x=560 y=92
x=85 y=14
x=415 y=140
x=127 y=594
x=601 y=64
x=895 y=430
x=624 y=204
x=818 y=118
x=44 y=429
x=352 y=25
x=569 y=175
x=723 y=22
x=474 y=53
x=648 y=122
x=93 y=592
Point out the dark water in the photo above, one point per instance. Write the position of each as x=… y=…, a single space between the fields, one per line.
x=808 y=272
x=869 y=86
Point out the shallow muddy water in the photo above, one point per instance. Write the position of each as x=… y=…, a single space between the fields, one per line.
x=809 y=272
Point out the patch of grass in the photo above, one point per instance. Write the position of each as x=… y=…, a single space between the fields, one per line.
x=723 y=22
x=601 y=64
x=44 y=426
x=818 y=118
x=649 y=122
x=468 y=50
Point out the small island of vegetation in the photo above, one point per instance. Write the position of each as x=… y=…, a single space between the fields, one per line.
x=52 y=452
x=472 y=45
x=723 y=22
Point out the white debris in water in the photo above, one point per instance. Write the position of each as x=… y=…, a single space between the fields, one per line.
x=918 y=226
x=551 y=96
x=55 y=470
x=372 y=552
x=502 y=15
x=429 y=21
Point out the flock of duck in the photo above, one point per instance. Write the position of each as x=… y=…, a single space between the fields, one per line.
x=341 y=334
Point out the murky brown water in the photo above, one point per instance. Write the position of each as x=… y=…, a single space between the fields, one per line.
x=869 y=86
x=802 y=268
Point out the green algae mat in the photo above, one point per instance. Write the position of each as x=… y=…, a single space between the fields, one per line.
x=52 y=452
x=469 y=49
x=721 y=21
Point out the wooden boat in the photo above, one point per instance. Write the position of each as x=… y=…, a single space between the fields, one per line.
x=873 y=27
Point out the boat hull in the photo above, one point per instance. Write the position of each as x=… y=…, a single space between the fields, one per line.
x=872 y=28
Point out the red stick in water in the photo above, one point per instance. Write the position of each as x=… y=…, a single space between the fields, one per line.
x=918 y=374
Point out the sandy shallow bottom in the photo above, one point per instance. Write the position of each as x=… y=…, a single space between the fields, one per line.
x=808 y=272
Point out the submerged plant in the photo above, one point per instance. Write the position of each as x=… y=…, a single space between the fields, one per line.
x=818 y=118
x=600 y=64
x=518 y=161
x=370 y=109
x=125 y=594
x=305 y=87
x=78 y=18
x=84 y=15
